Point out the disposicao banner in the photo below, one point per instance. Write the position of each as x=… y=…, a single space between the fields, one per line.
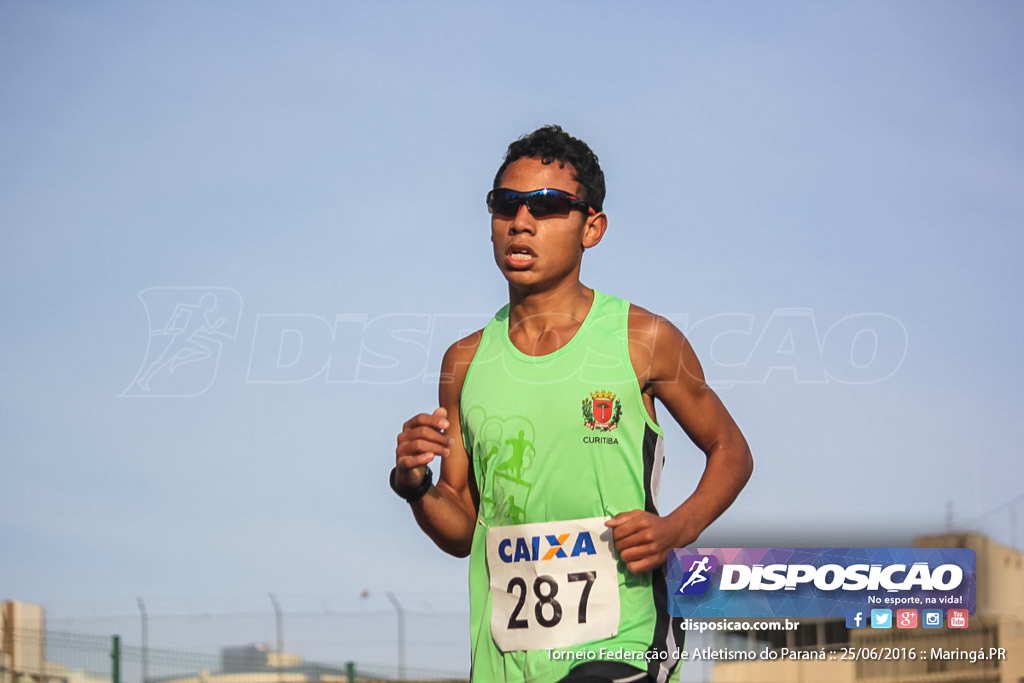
x=817 y=582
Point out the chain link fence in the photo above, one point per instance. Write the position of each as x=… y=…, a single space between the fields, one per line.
x=53 y=656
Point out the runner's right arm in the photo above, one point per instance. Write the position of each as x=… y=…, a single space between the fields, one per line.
x=447 y=513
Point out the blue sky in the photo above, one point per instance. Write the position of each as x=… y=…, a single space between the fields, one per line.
x=826 y=197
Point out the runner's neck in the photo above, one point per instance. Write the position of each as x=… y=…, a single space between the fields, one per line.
x=542 y=323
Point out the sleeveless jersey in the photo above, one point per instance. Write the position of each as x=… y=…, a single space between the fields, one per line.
x=559 y=437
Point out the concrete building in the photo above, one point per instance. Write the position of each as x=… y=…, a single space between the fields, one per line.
x=23 y=646
x=997 y=624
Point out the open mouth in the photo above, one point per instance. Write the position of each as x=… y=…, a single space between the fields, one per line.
x=519 y=254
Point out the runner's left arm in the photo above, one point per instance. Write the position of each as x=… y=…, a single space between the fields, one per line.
x=668 y=370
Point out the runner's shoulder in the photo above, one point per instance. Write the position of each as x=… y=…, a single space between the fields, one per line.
x=646 y=327
x=458 y=357
x=656 y=346
x=465 y=348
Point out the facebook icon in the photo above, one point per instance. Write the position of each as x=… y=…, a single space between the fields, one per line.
x=856 y=618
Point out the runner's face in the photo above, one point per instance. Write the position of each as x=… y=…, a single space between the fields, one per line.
x=536 y=253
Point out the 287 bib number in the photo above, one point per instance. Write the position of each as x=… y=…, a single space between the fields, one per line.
x=553 y=584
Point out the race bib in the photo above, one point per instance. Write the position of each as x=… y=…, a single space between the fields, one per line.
x=553 y=584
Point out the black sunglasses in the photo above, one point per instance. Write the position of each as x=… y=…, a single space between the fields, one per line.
x=540 y=203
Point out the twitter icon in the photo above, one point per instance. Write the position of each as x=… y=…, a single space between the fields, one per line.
x=881 y=618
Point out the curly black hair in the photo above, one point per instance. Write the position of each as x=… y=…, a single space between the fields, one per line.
x=551 y=144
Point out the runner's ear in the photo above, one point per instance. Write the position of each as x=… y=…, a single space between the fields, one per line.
x=594 y=229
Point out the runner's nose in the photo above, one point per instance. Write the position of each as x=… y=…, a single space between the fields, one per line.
x=523 y=221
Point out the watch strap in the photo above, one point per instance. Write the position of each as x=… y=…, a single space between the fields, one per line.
x=418 y=492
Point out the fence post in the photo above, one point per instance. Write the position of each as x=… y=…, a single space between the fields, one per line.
x=115 y=660
x=350 y=671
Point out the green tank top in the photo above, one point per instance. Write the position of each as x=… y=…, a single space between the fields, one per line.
x=564 y=436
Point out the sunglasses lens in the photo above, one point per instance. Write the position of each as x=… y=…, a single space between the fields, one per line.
x=549 y=205
x=503 y=202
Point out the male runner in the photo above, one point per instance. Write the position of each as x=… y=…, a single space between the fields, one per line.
x=551 y=451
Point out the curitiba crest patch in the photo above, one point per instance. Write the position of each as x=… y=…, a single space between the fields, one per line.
x=602 y=411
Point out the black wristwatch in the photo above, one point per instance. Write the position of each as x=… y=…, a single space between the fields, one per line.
x=418 y=492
